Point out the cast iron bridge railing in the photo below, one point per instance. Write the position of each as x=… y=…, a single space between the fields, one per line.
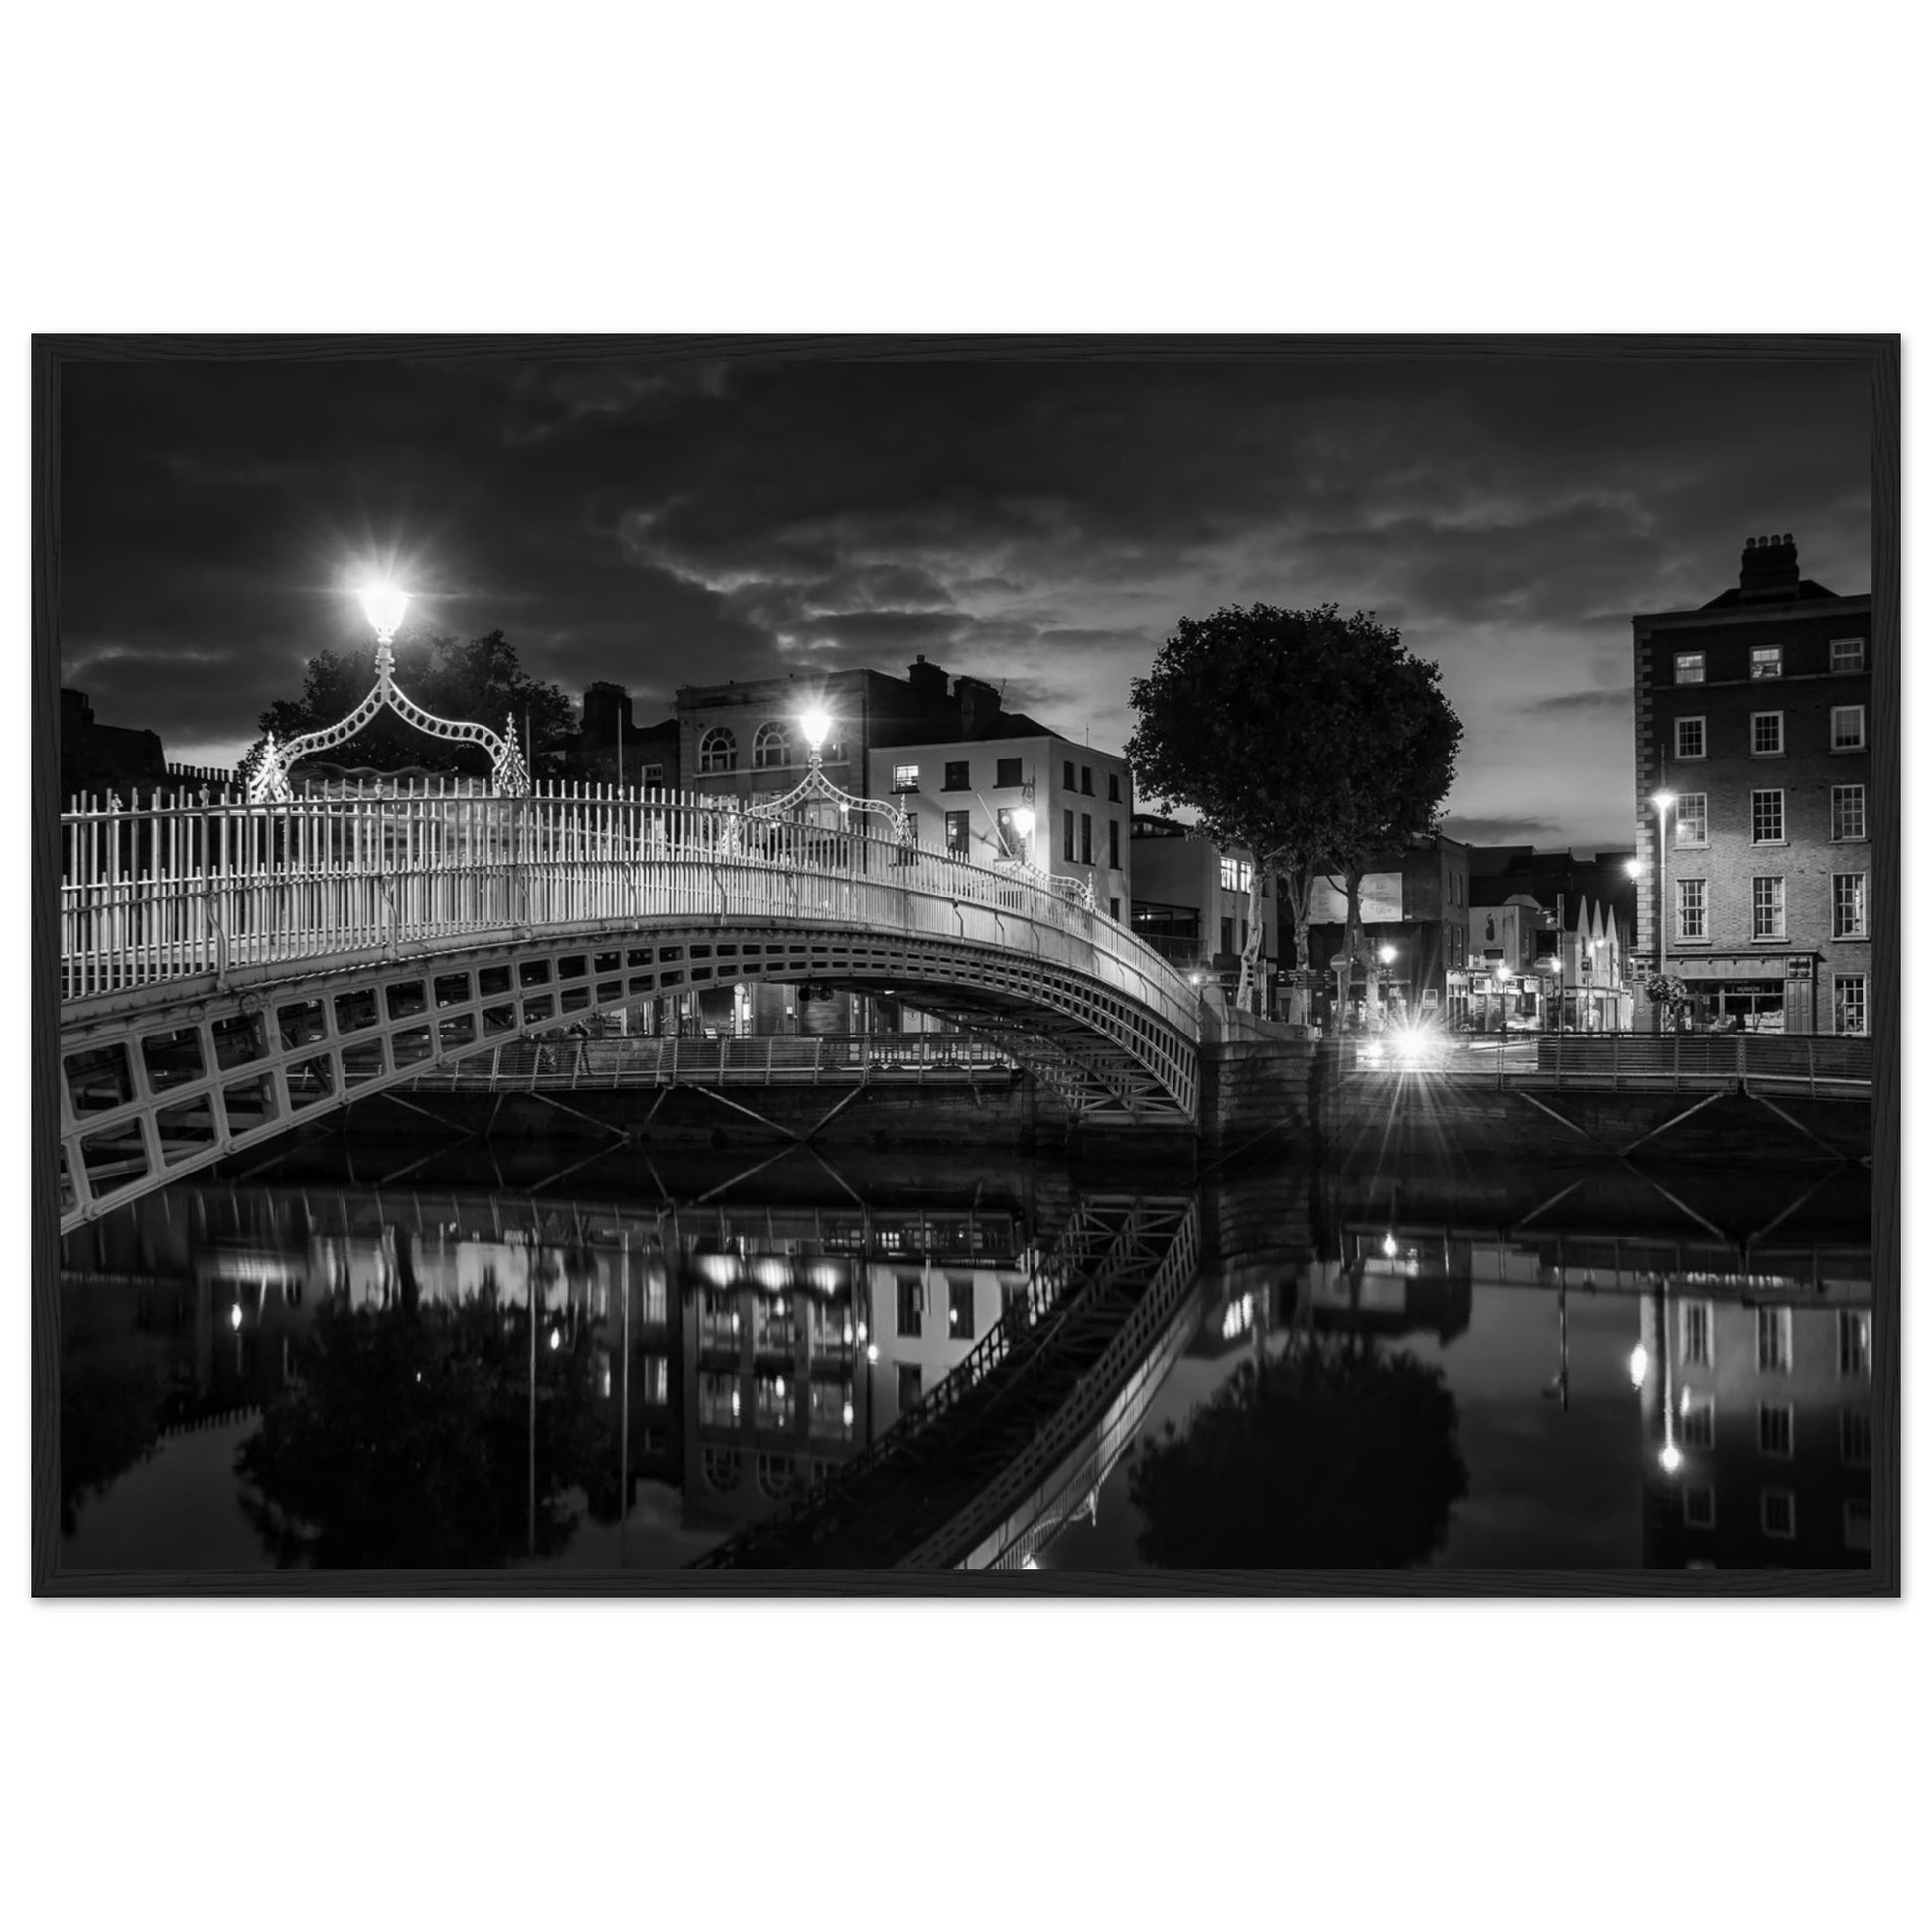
x=227 y=968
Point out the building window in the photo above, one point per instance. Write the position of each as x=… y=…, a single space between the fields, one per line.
x=721 y=1469
x=1768 y=818
x=1237 y=875
x=1848 y=813
x=1767 y=734
x=1086 y=838
x=1857 y=1523
x=829 y=1416
x=1847 y=906
x=1777 y=1513
x=1694 y=1335
x=1775 y=1429
x=1067 y=833
x=1113 y=843
x=653 y=777
x=959 y=774
x=1086 y=780
x=1691 y=909
x=718 y=1401
x=1774 y=1342
x=1113 y=787
x=911 y=1386
x=1227 y=936
x=1854 y=1438
x=1690 y=738
x=959 y=1307
x=775 y=1477
x=1113 y=910
x=959 y=835
x=1848 y=1004
x=1768 y=660
x=778 y=1401
x=1699 y=1507
x=1693 y=819
x=1699 y=1421
x=717 y=751
x=1006 y=771
x=911 y=1304
x=1066 y=775
x=1689 y=667
x=770 y=747
x=657 y=1378
x=1853 y=1341
x=906 y=777
x=1847 y=654
x=1767 y=908
x=1847 y=727
x=1012 y=845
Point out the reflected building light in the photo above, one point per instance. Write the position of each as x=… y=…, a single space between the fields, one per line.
x=1028 y=1563
x=848 y=1414
x=721 y=1270
x=1639 y=1366
x=772 y=1271
x=235 y=1317
x=826 y=1280
x=871 y=1352
x=1387 y=1246
x=1670 y=1458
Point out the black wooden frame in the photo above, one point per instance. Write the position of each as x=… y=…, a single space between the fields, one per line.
x=1879 y=355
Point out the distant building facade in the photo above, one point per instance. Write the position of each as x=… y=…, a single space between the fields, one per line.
x=1754 y=717
x=97 y=759
x=1191 y=902
x=1416 y=905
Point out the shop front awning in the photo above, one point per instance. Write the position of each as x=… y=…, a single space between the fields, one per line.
x=1744 y=966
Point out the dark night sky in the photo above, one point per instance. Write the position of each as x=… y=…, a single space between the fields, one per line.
x=1041 y=524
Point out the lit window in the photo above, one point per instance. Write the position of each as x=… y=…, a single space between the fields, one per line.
x=1699 y=1421
x=1848 y=813
x=1775 y=1429
x=1857 y=1523
x=1236 y=875
x=1853 y=1341
x=1011 y=843
x=1694 y=1335
x=1689 y=667
x=1847 y=906
x=1767 y=908
x=1693 y=821
x=1847 y=654
x=959 y=838
x=1699 y=1507
x=1768 y=818
x=906 y=777
x=1849 y=1004
x=719 y=1401
x=1847 y=727
x=770 y=747
x=1777 y=1513
x=1768 y=660
x=959 y=1307
x=657 y=1378
x=1691 y=909
x=778 y=1401
x=1774 y=1342
x=1767 y=734
x=829 y=1414
x=1690 y=738
x=1854 y=1438
x=717 y=751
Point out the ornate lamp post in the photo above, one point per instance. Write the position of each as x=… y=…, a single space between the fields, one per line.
x=1663 y=800
x=815 y=800
x=384 y=603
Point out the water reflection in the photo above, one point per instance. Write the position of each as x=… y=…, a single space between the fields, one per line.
x=1578 y=1369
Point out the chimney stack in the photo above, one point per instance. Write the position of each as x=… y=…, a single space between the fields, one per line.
x=1770 y=566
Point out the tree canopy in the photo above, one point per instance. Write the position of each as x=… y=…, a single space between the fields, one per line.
x=477 y=682
x=1317 y=741
x=1335 y=1456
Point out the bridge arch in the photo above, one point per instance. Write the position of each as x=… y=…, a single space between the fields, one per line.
x=213 y=1007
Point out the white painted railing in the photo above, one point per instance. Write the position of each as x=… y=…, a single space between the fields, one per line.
x=181 y=888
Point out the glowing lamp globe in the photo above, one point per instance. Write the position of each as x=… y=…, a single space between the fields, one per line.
x=1387 y=955
x=1670 y=1458
x=1663 y=800
x=816 y=726
x=384 y=605
x=1023 y=821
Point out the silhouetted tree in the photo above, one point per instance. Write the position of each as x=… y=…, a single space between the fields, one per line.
x=1334 y=1456
x=478 y=682
x=1316 y=741
x=406 y=1440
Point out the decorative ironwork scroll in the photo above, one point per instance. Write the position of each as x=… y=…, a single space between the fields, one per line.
x=269 y=782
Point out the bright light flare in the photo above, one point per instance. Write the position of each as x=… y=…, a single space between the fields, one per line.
x=817 y=726
x=1387 y=955
x=235 y=1317
x=1663 y=800
x=1639 y=1366
x=1670 y=1458
x=384 y=605
x=1023 y=821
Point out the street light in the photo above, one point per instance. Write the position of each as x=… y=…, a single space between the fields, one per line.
x=817 y=727
x=384 y=605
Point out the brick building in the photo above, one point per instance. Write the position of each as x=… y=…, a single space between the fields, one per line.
x=1191 y=902
x=1753 y=755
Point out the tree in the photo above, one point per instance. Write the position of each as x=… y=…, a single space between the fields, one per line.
x=1334 y=1456
x=1316 y=741
x=480 y=683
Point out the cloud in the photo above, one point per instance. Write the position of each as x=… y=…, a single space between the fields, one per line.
x=1583 y=704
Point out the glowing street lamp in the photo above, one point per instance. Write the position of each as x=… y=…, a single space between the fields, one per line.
x=384 y=605
x=1663 y=800
x=817 y=727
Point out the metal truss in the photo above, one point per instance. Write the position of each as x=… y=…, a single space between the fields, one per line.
x=166 y=1078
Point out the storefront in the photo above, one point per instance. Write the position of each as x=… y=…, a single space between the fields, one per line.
x=1758 y=992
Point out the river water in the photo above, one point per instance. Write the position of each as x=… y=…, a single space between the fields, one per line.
x=470 y=1356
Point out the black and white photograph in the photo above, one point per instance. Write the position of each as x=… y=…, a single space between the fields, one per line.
x=1224 y=962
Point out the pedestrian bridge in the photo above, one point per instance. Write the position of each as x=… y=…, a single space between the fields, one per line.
x=231 y=970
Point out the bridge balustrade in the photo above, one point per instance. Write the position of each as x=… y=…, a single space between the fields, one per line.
x=181 y=888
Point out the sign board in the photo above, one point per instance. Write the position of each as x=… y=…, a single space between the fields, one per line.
x=1381 y=900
